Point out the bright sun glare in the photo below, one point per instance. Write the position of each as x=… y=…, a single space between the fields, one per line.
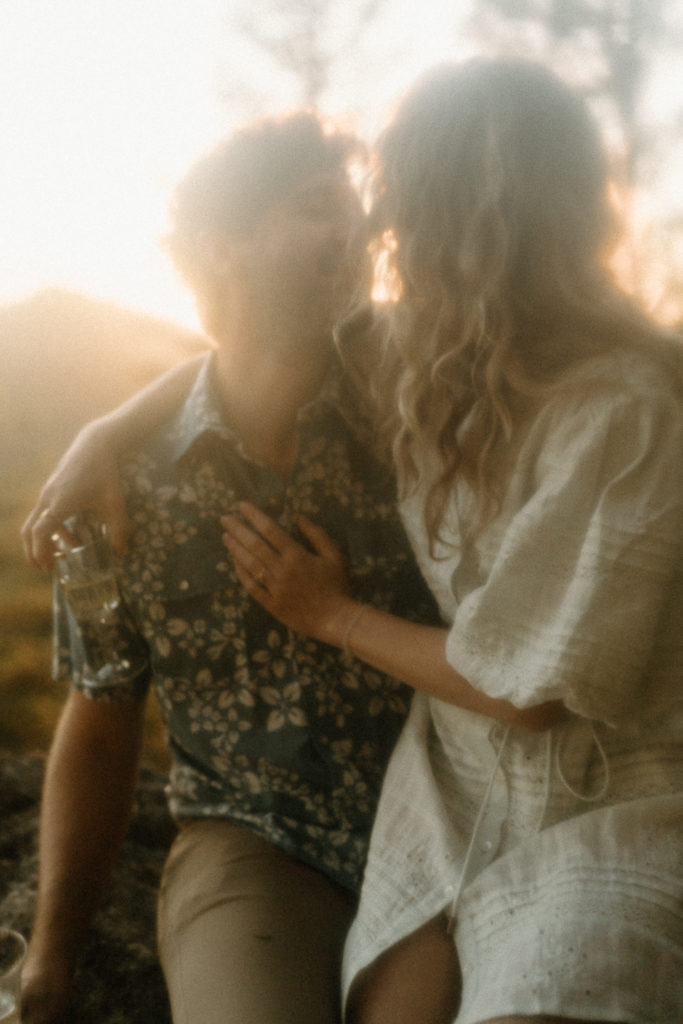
x=101 y=105
x=104 y=103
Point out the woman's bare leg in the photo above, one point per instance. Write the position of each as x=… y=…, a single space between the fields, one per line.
x=418 y=979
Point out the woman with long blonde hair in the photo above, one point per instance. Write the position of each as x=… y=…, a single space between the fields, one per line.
x=526 y=859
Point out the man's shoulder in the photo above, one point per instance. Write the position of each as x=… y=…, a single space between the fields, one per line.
x=154 y=455
x=150 y=469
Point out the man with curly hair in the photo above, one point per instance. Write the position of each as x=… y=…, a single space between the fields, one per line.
x=278 y=742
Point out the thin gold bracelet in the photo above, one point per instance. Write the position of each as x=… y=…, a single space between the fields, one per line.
x=349 y=629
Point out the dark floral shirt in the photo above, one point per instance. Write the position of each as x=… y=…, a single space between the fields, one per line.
x=282 y=733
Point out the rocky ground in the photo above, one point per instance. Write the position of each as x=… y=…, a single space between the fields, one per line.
x=119 y=980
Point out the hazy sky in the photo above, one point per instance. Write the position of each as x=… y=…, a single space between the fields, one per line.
x=104 y=103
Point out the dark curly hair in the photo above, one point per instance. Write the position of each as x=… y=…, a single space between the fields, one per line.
x=229 y=189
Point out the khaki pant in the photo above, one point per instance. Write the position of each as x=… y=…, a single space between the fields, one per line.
x=248 y=934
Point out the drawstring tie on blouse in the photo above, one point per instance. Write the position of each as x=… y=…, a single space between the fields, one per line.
x=586 y=798
x=475 y=831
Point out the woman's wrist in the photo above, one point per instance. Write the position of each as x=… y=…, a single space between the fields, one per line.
x=341 y=625
x=352 y=622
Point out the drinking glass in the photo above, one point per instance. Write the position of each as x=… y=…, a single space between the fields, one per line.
x=12 y=954
x=113 y=650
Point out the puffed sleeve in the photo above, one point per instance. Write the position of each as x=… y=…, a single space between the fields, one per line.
x=572 y=595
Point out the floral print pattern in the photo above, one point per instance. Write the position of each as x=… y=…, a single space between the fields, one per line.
x=270 y=728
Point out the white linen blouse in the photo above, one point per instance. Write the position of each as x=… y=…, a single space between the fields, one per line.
x=558 y=854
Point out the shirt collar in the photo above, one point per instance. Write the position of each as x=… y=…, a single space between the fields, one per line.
x=201 y=412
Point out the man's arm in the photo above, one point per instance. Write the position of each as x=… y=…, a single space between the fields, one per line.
x=87 y=799
x=86 y=477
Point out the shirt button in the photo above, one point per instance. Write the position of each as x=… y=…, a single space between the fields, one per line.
x=487 y=845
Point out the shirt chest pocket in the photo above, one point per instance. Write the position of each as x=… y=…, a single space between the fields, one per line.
x=197 y=593
x=196 y=569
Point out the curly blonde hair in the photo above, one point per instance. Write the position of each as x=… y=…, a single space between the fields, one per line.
x=490 y=214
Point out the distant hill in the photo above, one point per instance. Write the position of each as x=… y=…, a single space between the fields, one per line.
x=65 y=358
